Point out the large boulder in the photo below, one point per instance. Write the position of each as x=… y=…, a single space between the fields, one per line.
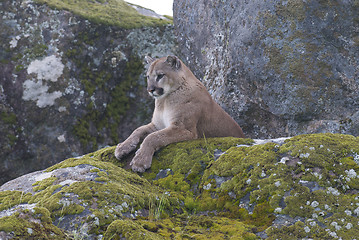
x=304 y=187
x=280 y=68
x=72 y=81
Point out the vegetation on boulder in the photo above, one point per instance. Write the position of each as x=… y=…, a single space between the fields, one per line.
x=107 y=12
x=117 y=107
x=83 y=67
x=302 y=187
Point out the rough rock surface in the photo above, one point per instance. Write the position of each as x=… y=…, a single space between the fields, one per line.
x=68 y=85
x=304 y=187
x=280 y=68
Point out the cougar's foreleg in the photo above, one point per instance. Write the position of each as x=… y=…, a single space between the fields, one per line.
x=132 y=141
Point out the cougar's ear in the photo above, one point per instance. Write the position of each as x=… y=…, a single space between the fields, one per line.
x=148 y=59
x=174 y=62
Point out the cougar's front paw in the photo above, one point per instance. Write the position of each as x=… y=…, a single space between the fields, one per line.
x=119 y=153
x=122 y=150
x=141 y=161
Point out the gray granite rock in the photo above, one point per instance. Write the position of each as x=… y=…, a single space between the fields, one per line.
x=280 y=68
x=69 y=85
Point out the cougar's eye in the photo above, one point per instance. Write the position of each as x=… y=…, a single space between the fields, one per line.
x=159 y=76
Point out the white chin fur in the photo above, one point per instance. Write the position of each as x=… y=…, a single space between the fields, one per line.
x=155 y=96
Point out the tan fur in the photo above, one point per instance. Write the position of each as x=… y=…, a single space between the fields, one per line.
x=184 y=110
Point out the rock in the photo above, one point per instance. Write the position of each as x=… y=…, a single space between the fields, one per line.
x=71 y=82
x=280 y=68
x=249 y=192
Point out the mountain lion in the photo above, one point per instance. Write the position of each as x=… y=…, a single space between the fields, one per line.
x=184 y=110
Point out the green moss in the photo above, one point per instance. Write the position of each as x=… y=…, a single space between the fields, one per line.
x=17 y=56
x=191 y=158
x=303 y=65
x=291 y=55
x=13 y=131
x=36 y=51
x=9 y=199
x=246 y=165
x=120 y=102
x=41 y=185
x=175 y=182
x=8 y=118
x=114 y=187
x=81 y=130
x=330 y=154
x=70 y=209
x=129 y=230
x=310 y=177
x=110 y=12
x=117 y=107
x=277 y=59
x=257 y=171
x=294 y=10
x=270 y=20
x=12 y=139
x=195 y=227
x=294 y=231
x=48 y=199
x=19 y=68
x=43 y=214
x=27 y=226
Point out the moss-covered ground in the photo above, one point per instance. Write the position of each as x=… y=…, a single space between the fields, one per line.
x=108 y=12
x=222 y=188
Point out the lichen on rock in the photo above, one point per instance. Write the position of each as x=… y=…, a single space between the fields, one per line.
x=301 y=187
x=48 y=69
x=280 y=68
x=85 y=67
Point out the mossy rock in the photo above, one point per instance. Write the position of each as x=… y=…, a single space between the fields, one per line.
x=304 y=187
x=111 y=12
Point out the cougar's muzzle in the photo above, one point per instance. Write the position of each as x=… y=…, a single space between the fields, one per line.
x=155 y=91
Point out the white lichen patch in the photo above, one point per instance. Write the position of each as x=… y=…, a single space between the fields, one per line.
x=304 y=155
x=348 y=212
x=279 y=141
x=333 y=191
x=48 y=69
x=351 y=173
x=207 y=187
x=42 y=176
x=349 y=226
x=61 y=138
x=278 y=210
x=67 y=182
x=38 y=91
x=13 y=42
x=62 y=109
x=356 y=211
x=284 y=160
x=11 y=211
x=356 y=157
x=335 y=225
x=314 y=204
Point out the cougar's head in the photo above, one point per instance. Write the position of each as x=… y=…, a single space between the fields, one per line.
x=162 y=76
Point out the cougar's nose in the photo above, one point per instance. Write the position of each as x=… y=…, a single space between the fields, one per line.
x=151 y=89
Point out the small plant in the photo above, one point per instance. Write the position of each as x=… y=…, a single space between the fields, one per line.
x=155 y=212
x=77 y=234
x=209 y=152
